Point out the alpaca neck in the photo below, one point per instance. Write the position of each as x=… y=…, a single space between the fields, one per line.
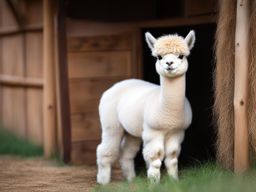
x=172 y=94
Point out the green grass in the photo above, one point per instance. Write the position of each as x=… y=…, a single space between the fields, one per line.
x=13 y=145
x=204 y=178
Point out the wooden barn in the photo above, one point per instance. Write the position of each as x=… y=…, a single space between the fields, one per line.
x=58 y=57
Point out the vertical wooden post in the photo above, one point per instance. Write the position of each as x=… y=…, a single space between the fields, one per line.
x=63 y=88
x=49 y=103
x=241 y=143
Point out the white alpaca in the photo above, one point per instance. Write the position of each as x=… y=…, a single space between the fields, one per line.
x=135 y=109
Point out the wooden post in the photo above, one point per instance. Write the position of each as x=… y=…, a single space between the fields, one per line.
x=241 y=143
x=49 y=103
x=63 y=88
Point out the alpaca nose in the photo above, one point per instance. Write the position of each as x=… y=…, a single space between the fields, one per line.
x=169 y=63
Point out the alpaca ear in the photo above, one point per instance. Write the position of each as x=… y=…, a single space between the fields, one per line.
x=190 y=39
x=150 y=40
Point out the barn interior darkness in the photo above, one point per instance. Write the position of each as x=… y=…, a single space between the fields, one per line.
x=199 y=143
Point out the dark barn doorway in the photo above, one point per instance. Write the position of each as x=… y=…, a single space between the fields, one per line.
x=199 y=143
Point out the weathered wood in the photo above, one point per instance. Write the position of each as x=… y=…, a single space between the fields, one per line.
x=8 y=106
x=90 y=90
x=33 y=13
x=99 y=64
x=100 y=43
x=49 y=105
x=84 y=152
x=12 y=56
x=16 y=14
x=8 y=20
x=14 y=110
x=241 y=146
x=90 y=28
x=34 y=55
x=10 y=32
x=34 y=114
x=63 y=88
x=9 y=80
x=85 y=126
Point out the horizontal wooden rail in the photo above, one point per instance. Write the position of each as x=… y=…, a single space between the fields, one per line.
x=9 y=80
x=78 y=28
x=15 y=30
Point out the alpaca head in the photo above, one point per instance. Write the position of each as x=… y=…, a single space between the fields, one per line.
x=171 y=52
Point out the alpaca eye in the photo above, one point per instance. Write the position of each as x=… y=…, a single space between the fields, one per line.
x=159 y=57
x=181 y=56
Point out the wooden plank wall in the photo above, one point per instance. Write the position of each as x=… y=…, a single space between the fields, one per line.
x=21 y=57
x=95 y=64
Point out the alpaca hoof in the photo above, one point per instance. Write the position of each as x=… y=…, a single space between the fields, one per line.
x=154 y=175
x=130 y=177
x=102 y=180
x=174 y=177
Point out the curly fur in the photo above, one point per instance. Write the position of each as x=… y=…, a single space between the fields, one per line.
x=134 y=110
x=170 y=44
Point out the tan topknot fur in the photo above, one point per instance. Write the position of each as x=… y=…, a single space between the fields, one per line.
x=170 y=44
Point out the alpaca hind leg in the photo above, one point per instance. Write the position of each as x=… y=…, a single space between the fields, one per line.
x=108 y=152
x=153 y=152
x=129 y=148
x=172 y=151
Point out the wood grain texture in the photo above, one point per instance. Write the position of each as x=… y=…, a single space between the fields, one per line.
x=79 y=28
x=7 y=107
x=62 y=85
x=241 y=142
x=86 y=126
x=95 y=64
x=85 y=93
x=12 y=56
x=11 y=80
x=100 y=43
x=7 y=19
x=14 y=110
x=35 y=115
x=34 y=13
x=34 y=55
x=84 y=152
x=99 y=64
x=49 y=102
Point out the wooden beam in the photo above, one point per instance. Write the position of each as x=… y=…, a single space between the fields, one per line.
x=8 y=80
x=63 y=89
x=17 y=16
x=92 y=28
x=241 y=142
x=49 y=102
x=15 y=31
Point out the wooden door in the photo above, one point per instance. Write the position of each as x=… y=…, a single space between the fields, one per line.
x=95 y=63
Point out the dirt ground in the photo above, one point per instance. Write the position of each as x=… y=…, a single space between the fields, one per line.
x=39 y=175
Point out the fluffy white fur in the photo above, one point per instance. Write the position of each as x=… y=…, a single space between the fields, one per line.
x=135 y=110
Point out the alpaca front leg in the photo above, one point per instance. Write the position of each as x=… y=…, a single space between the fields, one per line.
x=153 y=152
x=172 y=151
